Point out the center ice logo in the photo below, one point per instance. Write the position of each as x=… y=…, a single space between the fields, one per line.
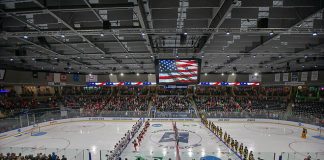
x=170 y=136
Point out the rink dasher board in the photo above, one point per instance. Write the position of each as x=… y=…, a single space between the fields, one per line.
x=269 y=121
x=28 y=129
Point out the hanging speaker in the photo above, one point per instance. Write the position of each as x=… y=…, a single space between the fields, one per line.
x=183 y=39
x=263 y=23
x=20 y=52
x=106 y=25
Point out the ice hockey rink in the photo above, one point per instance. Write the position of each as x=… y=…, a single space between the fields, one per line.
x=74 y=138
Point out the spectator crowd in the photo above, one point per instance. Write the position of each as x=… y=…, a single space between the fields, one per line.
x=171 y=103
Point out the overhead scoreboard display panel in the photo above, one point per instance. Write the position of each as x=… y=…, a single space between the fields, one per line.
x=177 y=71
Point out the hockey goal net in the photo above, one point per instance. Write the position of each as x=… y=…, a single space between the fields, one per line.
x=321 y=132
x=35 y=130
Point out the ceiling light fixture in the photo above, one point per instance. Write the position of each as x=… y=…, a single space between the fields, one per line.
x=271 y=33
x=233 y=74
x=222 y=74
x=121 y=74
x=256 y=74
x=143 y=34
x=25 y=37
x=101 y=34
x=137 y=74
x=314 y=34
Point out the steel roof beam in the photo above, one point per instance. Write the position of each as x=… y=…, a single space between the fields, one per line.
x=217 y=20
x=71 y=8
x=101 y=20
x=39 y=30
x=144 y=23
x=268 y=39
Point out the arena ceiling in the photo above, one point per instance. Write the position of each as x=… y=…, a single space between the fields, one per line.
x=106 y=36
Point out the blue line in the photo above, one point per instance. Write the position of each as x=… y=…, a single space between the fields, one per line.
x=224 y=143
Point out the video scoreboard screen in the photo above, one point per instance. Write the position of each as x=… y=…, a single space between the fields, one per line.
x=178 y=71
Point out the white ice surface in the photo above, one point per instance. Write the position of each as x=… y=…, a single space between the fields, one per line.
x=71 y=139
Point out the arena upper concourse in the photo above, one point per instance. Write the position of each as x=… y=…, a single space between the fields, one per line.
x=161 y=79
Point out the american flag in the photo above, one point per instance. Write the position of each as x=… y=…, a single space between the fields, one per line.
x=178 y=71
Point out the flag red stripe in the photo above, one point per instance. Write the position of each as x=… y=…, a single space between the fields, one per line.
x=185 y=65
x=191 y=62
x=189 y=70
x=177 y=76
x=186 y=81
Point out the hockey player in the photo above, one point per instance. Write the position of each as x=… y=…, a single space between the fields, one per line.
x=236 y=145
x=232 y=143
x=228 y=141
x=225 y=137
x=246 y=152
x=135 y=145
x=251 y=157
x=217 y=130
x=304 y=133
x=241 y=149
x=220 y=133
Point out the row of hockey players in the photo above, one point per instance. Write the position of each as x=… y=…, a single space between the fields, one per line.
x=141 y=135
x=121 y=145
x=228 y=140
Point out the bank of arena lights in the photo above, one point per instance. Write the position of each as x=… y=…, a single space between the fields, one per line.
x=112 y=84
x=271 y=33
x=229 y=83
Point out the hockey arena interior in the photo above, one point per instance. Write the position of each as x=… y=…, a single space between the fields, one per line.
x=161 y=80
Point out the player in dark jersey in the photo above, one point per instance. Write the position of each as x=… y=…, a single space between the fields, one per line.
x=135 y=145
x=241 y=149
x=251 y=157
x=246 y=152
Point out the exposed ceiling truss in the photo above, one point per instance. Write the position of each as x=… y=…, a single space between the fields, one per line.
x=96 y=36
